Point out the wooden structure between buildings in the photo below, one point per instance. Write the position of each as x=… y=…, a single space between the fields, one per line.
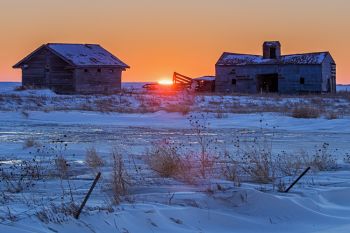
x=182 y=82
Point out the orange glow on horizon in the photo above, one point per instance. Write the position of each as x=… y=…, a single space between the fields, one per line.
x=165 y=82
x=159 y=37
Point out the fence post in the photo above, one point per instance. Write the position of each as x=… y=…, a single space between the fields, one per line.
x=301 y=175
x=88 y=195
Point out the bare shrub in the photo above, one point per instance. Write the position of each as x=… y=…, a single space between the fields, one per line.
x=290 y=164
x=104 y=105
x=93 y=159
x=231 y=169
x=20 y=175
x=164 y=158
x=30 y=142
x=258 y=162
x=207 y=158
x=323 y=159
x=120 y=180
x=281 y=186
x=347 y=158
x=305 y=112
x=25 y=114
x=56 y=213
x=62 y=167
x=332 y=115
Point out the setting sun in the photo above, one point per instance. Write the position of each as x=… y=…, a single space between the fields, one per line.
x=165 y=82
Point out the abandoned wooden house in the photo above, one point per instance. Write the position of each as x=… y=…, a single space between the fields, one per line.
x=72 y=69
x=273 y=72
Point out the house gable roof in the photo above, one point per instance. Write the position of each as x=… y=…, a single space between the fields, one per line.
x=80 y=55
x=237 y=59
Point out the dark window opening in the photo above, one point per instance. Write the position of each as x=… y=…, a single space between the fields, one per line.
x=47 y=70
x=234 y=81
x=99 y=70
x=233 y=71
x=273 y=53
x=112 y=71
x=86 y=70
x=302 y=81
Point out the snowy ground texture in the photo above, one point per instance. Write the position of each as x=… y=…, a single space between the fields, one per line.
x=39 y=130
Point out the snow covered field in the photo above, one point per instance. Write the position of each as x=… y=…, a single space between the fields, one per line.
x=62 y=125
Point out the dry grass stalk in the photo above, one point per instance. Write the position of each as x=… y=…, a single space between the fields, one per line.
x=93 y=159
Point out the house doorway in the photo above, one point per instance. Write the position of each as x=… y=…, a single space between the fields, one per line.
x=267 y=83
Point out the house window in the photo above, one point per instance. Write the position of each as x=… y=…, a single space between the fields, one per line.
x=86 y=70
x=234 y=81
x=99 y=70
x=302 y=81
x=233 y=71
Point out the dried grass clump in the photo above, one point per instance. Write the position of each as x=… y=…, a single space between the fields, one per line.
x=231 y=169
x=30 y=142
x=62 y=167
x=258 y=162
x=291 y=164
x=164 y=159
x=105 y=105
x=323 y=159
x=120 y=180
x=332 y=115
x=305 y=112
x=93 y=159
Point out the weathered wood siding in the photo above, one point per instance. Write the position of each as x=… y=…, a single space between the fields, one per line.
x=60 y=75
x=328 y=78
x=98 y=80
x=289 y=77
x=46 y=69
x=33 y=74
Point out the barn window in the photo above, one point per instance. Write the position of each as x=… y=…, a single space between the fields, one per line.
x=99 y=70
x=234 y=81
x=302 y=81
x=233 y=71
x=86 y=70
x=273 y=53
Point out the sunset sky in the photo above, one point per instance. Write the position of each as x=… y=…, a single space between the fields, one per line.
x=158 y=37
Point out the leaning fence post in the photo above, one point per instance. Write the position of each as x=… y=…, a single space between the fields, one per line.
x=87 y=195
x=302 y=174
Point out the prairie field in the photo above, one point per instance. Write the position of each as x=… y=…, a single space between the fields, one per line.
x=174 y=162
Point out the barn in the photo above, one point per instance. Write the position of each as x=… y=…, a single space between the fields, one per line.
x=273 y=72
x=72 y=69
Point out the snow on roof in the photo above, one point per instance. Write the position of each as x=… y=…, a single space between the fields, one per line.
x=86 y=55
x=205 y=78
x=272 y=43
x=248 y=59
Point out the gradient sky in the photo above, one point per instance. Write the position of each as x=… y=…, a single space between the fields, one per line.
x=158 y=37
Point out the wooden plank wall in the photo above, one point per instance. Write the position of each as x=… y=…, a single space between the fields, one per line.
x=34 y=73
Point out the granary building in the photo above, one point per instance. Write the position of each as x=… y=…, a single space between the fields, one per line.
x=72 y=68
x=273 y=72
